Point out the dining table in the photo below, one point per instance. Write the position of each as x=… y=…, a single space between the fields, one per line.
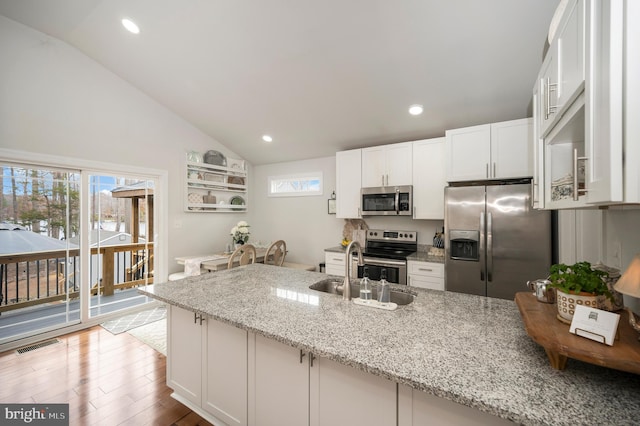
x=215 y=261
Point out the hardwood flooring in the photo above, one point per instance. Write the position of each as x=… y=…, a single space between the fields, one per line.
x=106 y=379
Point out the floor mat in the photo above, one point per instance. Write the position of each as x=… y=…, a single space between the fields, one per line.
x=128 y=322
x=153 y=334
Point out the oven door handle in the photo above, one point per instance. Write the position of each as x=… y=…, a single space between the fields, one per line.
x=386 y=262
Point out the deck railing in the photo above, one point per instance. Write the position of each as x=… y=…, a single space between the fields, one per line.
x=28 y=279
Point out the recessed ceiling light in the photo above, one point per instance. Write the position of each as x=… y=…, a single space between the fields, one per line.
x=267 y=138
x=415 y=109
x=130 y=25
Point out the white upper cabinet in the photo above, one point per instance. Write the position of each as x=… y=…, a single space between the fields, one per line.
x=562 y=75
x=570 y=54
x=348 y=183
x=429 y=178
x=490 y=151
x=547 y=83
x=387 y=165
x=512 y=149
x=590 y=143
x=468 y=153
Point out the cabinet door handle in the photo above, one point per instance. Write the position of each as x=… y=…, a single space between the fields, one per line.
x=382 y=180
x=311 y=358
x=494 y=169
x=302 y=354
x=548 y=108
x=486 y=170
x=425 y=269
x=577 y=192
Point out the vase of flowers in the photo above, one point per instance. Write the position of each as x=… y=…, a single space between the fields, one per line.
x=240 y=233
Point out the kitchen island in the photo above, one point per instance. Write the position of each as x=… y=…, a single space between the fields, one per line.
x=466 y=349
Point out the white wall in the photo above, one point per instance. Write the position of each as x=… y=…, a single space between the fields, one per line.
x=54 y=100
x=303 y=222
x=622 y=242
x=610 y=236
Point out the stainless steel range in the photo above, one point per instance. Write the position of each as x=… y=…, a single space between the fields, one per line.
x=388 y=250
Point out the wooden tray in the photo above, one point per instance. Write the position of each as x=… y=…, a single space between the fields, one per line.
x=544 y=328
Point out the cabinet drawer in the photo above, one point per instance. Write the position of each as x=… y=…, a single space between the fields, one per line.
x=421 y=281
x=335 y=259
x=426 y=269
x=334 y=263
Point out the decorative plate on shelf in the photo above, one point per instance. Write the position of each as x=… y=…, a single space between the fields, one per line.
x=236 y=201
x=215 y=158
x=235 y=164
x=236 y=180
x=194 y=157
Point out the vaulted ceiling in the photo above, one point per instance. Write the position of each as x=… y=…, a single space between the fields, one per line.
x=317 y=75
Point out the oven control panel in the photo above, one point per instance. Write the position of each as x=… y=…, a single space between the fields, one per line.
x=392 y=236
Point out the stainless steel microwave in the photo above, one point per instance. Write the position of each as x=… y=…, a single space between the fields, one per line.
x=387 y=201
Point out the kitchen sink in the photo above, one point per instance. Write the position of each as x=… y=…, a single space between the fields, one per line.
x=330 y=285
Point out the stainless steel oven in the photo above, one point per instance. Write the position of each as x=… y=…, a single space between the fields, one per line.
x=387 y=250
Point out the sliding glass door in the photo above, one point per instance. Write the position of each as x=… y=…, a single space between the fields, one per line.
x=74 y=246
x=120 y=241
x=39 y=261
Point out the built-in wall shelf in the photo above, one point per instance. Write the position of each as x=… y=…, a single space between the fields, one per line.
x=215 y=188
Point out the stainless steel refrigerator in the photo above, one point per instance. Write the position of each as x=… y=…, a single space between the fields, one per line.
x=495 y=241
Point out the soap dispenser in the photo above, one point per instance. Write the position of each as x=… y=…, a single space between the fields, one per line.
x=365 y=285
x=384 y=295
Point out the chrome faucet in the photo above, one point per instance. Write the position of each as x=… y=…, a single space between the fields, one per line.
x=346 y=285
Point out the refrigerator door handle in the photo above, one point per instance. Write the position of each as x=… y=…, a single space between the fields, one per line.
x=489 y=248
x=481 y=249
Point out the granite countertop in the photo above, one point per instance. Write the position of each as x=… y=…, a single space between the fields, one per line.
x=468 y=349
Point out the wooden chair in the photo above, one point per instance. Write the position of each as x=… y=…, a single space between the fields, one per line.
x=244 y=255
x=275 y=253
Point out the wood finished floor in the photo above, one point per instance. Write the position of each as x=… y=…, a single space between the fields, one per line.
x=106 y=379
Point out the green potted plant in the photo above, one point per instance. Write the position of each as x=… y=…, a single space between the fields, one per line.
x=578 y=284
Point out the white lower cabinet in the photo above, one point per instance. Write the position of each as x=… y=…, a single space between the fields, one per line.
x=278 y=383
x=184 y=355
x=295 y=388
x=342 y=395
x=224 y=392
x=334 y=263
x=207 y=366
x=425 y=275
x=417 y=408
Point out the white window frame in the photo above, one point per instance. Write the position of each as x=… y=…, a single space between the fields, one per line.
x=271 y=181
